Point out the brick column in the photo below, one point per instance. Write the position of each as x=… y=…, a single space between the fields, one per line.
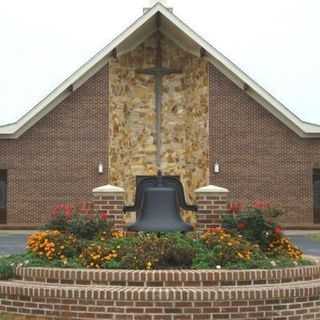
x=212 y=204
x=110 y=198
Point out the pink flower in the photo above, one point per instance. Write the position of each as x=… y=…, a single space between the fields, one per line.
x=104 y=216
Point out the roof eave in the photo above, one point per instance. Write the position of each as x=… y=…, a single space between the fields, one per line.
x=301 y=128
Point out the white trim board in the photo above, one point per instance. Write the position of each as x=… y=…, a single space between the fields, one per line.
x=300 y=127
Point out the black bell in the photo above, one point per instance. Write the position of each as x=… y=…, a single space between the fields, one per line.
x=160 y=210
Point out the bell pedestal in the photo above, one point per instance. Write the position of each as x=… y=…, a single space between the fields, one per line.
x=212 y=205
x=110 y=199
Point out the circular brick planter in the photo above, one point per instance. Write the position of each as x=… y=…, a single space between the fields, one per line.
x=169 y=278
x=292 y=293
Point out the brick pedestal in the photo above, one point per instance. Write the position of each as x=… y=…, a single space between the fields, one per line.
x=111 y=199
x=212 y=204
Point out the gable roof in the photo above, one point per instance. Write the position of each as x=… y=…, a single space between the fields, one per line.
x=187 y=39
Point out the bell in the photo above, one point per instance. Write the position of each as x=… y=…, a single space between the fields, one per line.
x=160 y=211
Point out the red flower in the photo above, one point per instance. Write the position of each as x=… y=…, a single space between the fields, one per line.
x=104 y=216
x=68 y=211
x=277 y=230
x=241 y=225
x=259 y=204
x=56 y=210
x=235 y=207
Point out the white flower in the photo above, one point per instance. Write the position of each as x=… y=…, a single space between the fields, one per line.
x=218 y=267
x=295 y=263
x=267 y=233
x=273 y=263
x=26 y=261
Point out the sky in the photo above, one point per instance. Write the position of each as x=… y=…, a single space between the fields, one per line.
x=275 y=42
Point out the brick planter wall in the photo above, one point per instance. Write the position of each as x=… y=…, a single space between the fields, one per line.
x=169 y=278
x=293 y=301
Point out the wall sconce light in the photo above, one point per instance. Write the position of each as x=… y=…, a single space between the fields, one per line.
x=216 y=167
x=100 y=168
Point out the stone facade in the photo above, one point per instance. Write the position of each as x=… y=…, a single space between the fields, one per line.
x=184 y=116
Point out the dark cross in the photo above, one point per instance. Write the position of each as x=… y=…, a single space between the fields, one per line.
x=158 y=71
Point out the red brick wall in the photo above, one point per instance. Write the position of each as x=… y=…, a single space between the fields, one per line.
x=128 y=299
x=260 y=157
x=56 y=160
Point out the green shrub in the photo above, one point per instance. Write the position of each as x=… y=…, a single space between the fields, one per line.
x=252 y=224
x=222 y=247
x=68 y=219
x=7 y=269
x=158 y=251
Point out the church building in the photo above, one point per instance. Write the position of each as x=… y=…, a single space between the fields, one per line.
x=159 y=97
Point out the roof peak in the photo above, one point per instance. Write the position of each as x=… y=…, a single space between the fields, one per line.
x=151 y=3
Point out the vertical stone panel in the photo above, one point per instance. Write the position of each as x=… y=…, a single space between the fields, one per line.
x=184 y=118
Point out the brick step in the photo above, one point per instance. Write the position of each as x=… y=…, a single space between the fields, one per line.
x=54 y=301
x=39 y=284
x=35 y=289
x=169 y=278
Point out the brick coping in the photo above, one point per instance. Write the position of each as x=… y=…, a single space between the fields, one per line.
x=169 y=278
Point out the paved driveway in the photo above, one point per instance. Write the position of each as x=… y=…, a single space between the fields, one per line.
x=303 y=241
x=12 y=242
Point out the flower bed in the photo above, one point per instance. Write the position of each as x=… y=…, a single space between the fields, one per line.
x=79 y=267
x=247 y=240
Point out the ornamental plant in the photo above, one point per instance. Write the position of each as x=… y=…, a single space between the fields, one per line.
x=96 y=255
x=252 y=224
x=52 y=244
x=248 y=239
x=223 y=247
x=281 y=246
x=81 y=221
x=158 y=251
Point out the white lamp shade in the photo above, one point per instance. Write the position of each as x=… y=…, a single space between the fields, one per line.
x=216 y=167
x=100 y=168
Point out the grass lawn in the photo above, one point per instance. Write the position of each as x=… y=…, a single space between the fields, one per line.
x=6 y=317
